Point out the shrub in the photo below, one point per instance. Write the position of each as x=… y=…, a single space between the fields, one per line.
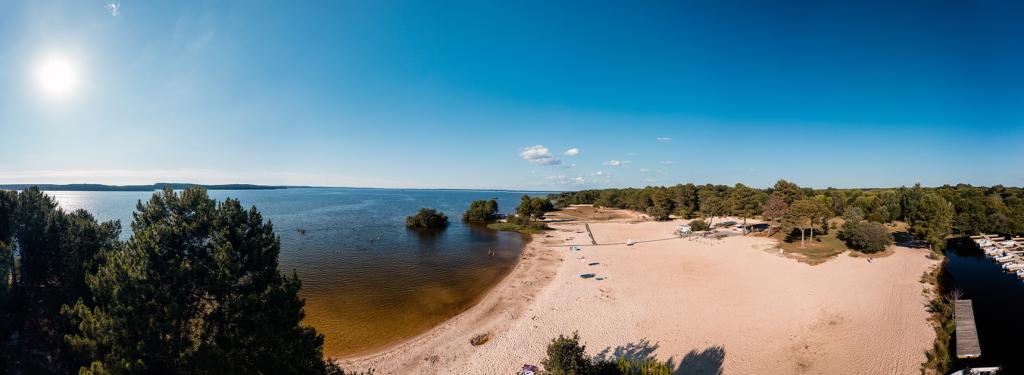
x=868 y=237
x=698 y=225
x=658 y=213
x=566 y=356
x=427 y=218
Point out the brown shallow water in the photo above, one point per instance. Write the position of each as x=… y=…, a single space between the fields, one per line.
x=368 y=282
x=369 y=315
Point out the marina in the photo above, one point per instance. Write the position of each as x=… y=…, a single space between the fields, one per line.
x=1009 y=253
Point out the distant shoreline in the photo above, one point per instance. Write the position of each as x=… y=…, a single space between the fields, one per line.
x=152 y=187
x=182 y=185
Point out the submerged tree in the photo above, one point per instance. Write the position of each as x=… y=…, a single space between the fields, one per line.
x=427 y=218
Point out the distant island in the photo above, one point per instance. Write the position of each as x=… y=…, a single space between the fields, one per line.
x=156 y=186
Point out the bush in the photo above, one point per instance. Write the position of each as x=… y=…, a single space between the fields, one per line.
x=567 y=357
x=481 y=210
x=868 y=237
x=698 y=225
x=427 y=218
x=658 y=213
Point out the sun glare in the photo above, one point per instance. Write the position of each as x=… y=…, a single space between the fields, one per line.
x=57 y=77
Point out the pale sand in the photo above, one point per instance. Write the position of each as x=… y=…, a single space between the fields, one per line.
x=731 y=305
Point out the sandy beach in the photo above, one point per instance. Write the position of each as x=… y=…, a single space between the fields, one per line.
x=731 y=305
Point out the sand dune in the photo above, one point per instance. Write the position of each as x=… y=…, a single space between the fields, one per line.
x=731 y=305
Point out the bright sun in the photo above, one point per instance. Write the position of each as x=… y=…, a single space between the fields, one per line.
x=57 y=77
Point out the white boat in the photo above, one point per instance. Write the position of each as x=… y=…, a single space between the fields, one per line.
x=978 y=371
x=1013 y=266
x=984 y=242
x=1004 y=258
x=1009 y=243
x=1020 y=274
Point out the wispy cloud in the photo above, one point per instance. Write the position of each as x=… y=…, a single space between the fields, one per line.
x=114 y=7
x=650 y=180
x=645 y=170
x=664 y=139
x=613 y=163
x=562 y=179
x=539 y=154
x=667 y=162
x=572 y=152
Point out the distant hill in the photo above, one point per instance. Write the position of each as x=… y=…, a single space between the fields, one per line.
x=156 y=186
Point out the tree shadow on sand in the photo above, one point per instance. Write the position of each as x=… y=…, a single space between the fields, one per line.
x=706 y=361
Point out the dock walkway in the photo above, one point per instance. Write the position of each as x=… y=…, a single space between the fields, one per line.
x=967 y=345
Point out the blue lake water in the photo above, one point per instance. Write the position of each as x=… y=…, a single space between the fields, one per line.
x=367 y=280
x=998 y=299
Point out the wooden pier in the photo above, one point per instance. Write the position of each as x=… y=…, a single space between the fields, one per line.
x=967 y=345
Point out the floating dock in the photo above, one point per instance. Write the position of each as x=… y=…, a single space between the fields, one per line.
x=967 y=345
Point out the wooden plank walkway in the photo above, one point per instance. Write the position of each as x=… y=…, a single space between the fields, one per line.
x=591 y=234
x=967 y=345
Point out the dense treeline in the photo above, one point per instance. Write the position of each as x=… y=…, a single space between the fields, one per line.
x=932 y=213
x=195 y=289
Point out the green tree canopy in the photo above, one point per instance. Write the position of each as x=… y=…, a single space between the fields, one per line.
x=746 y=202
x=533 y=208
x=481 y=210
x=931 y=218
x=789 y=191
x=196 y=289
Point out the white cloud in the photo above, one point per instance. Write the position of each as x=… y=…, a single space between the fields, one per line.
x=598 y=173
x=664 y=139
x=572 y=152
x=114 y=7
x=645 y=170
x=630 y=154
x=613 y=163
x=667 y=162
x=539 y=155
x=562 y=179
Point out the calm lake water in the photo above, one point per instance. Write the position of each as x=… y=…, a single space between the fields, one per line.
x=998 y=299
x=362 y=294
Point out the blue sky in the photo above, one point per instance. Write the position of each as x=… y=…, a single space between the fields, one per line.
x=461 y=94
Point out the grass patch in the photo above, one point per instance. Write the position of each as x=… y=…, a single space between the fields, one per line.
x=525 y=229
x=941 y=307
x=821 y=249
